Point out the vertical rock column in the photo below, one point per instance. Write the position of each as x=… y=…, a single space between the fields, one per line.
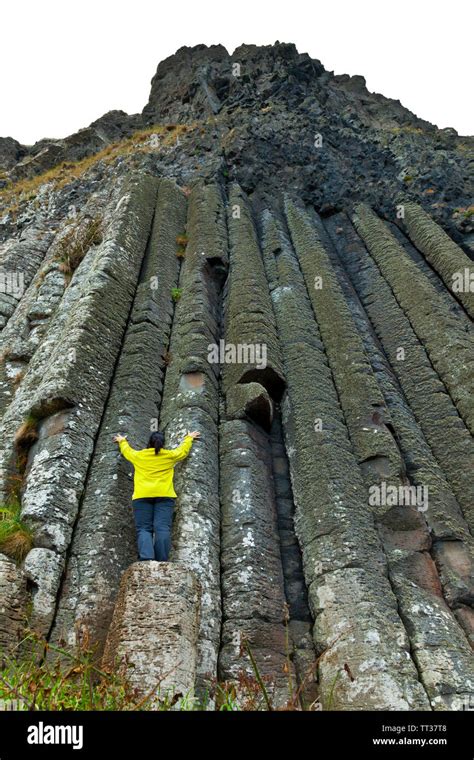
x=13 y=601
x=249 y=319
x=449 y=346
x=254 y=603
x=155 y=628
x=300 y=622
x=444 y=430
x=28 y=325
x=104 y=537
x=191 y=402
x=363 y=647
x=449 y=532
x=440 y=649
x=443 y=254
x=64 y=393
x=19 y=260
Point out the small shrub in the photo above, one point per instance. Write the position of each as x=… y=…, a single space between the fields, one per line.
x=176 y=294
x=16 y=539
x=182 y=241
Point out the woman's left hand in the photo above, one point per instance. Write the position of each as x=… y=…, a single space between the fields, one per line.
x=118 y=438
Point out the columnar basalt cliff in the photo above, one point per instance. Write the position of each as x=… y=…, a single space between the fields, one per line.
x=278 y=258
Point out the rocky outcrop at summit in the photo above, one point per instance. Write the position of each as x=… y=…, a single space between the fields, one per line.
x=306 y=304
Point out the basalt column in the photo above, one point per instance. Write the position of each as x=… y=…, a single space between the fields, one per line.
x=254 y=603
x=450 y=536
x=358 y=633
x=48 y=432
x=104 y=537
x=450 y=261
x=440 y=648
x=444 y=430
x=77 y=236
x=191 y=402
x=448 y=344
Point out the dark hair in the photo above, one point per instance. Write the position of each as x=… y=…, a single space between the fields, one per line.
x=156 y=441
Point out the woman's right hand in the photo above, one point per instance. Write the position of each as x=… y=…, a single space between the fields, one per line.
x=194 y=434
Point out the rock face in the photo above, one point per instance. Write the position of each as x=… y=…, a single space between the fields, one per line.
x=155 y=626
x=275 y=256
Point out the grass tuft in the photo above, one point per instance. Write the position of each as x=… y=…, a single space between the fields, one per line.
x=16 y=539
x=75 y=245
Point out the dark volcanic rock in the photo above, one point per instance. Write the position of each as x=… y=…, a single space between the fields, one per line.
x=277 y=257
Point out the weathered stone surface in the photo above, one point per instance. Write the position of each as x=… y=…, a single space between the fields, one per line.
x=435 y=413
x=442 y=253
x=104 y=540
x=13 y=604
x=366 y=382
x=449 y=347
x=191 y=402
x=43 y=568
x=28 y=326
x=252 y=577
x=155 y=626
x=249 y=320
x=357 y=390
x=250 y=400
x=19 y=259
x=356 y=618
x=367 y=416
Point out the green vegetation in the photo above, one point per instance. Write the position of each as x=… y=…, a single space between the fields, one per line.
x=16 y=538
x=182 y=241
x=42 y=676
x=407 y=129
x=176 y=294
x=467 y=212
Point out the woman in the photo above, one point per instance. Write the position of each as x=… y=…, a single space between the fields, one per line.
x=153 y=494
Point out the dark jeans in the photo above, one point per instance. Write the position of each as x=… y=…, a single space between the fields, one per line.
x=153 y=515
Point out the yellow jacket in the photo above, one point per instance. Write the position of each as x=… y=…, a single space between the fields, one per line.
x=154 y=472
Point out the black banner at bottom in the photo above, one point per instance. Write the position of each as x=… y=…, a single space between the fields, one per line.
x=88 y=734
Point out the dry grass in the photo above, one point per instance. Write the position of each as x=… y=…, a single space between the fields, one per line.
x=63 y=174
x=182 y=242
x=27 y=433
x=75 y=245
x=18 y=378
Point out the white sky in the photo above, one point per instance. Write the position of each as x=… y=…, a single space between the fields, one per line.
x=64 y=64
